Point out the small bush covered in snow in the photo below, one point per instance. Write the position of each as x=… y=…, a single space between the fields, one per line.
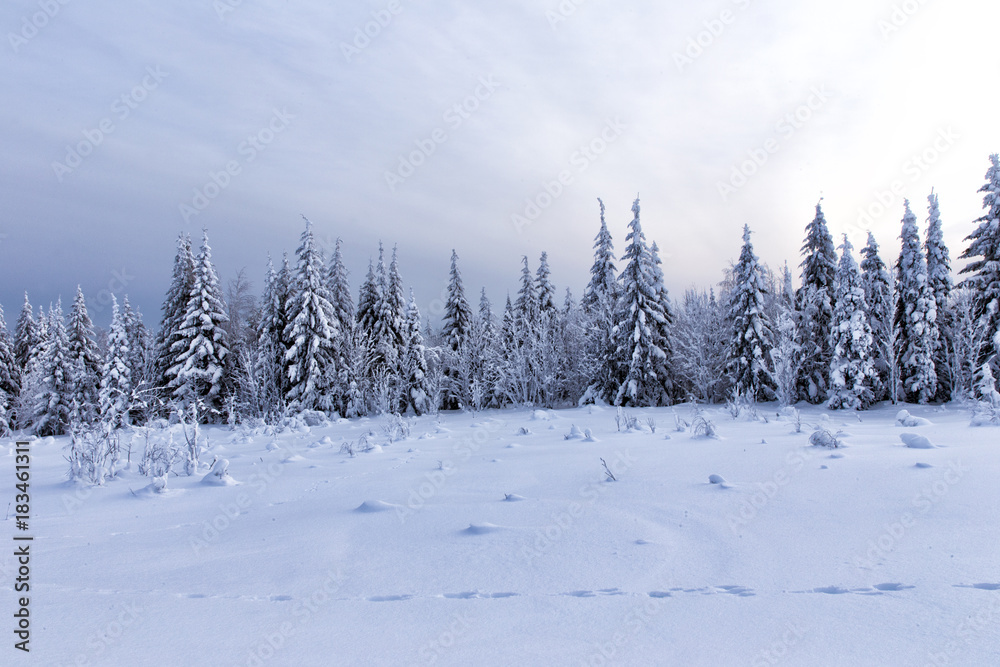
x=821 y=437
x=703 y=427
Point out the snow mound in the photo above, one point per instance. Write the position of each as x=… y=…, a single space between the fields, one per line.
x=544 y=415
x=716 y=479
x=524 y=430
x=513 y=497
x=588 y=436
x=481 y=528
x=313 y=417
x=922 y=466
x=219 y=474
x=157 y=488
x=574 y=433
x=292 y=458
x=370 y=506
x=904 y=418
x=914 y=441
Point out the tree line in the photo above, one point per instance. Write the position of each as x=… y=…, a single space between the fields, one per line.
x=850 y=335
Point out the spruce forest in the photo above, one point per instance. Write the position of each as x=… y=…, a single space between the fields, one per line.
x=858 y=329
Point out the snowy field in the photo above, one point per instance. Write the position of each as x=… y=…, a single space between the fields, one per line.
x=496 y=540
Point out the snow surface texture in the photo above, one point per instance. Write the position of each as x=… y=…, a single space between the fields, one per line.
x=460 y=550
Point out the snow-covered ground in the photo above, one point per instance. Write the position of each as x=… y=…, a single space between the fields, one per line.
x=494 y=540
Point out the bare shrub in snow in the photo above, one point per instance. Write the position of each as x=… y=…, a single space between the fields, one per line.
x=94 y=453
x=626 y=421
x=703 y=426
x=797 y=420
x=734 y=408
x=821 y=437
x=364 y=445
x=395 y=428
x=680 y=425
x=986 y=412
x=189 y=429
x=159 y=455
x=607 y=471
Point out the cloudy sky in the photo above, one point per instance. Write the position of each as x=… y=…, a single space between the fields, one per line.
x=490 y=128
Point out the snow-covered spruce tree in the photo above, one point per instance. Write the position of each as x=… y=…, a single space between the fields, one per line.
x=548 y=354
x=815 y=306
x=523 y=361
x=116 y=376
x=201 y=351
x=340 y=289
x=174 y=309
x=915 y=316
x=546 y=290
x=666 y=340
x=141 y=363
x=576 y=365
x=369 y=297
x=603 y=286
x=269 y=396
x=640 y=331
x=457 y=313
x=10 y=378
x=457 y=339
x=877 y=283
x=384 y=322
x=486 y=317
x=852 y=369
x=939 y=279
x=599 y=301
x=414 y=363
x=526 y=304
x=787 y=295
x=366 y=321
x=394 y=309
x=984 y=272
x=483 y=354
x=750 y=333
x=27 y=336
x=343 y=305
x=87 y=356
x=311 y=330
x=54 y=402
x=10 y=370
